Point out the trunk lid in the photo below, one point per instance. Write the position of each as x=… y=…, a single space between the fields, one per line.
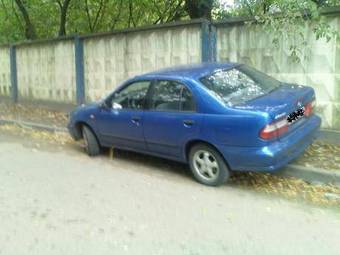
x=281 y=102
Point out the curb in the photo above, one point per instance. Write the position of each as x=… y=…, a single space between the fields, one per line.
x=27 y=124
x=309 y=174
x=329 y=136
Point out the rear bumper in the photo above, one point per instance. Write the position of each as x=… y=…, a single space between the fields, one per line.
x=277 y=154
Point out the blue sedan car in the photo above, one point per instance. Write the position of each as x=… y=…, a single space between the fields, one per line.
x=217 y=117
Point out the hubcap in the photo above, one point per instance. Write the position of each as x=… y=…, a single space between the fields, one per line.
x=205 y=165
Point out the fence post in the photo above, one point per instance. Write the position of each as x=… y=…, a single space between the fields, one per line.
x=208 y=38
x=13 y=70
x=205 y=41
x=79 y=62
x=213 y=42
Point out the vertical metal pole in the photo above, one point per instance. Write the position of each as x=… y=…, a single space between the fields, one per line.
x=208 y=36
x=14 y=77
x=79 y=62
x=213 y=43
x=205 y=49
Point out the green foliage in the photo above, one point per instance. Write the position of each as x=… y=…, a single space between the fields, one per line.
x=104 y=15
x=43 y=14
x=85 y=16
x=286 y=21
x=283 y=19
x=10 y=27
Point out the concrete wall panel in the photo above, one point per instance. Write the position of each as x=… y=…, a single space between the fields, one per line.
x=111 y=60
x=252 y=45
x=47 y=72
x=5 y=73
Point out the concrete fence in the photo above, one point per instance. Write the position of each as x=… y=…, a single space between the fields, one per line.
x=74 y=70
x=46 y=71
x=110 y=59
x=5 y=73
x=79 y=69
x=320 y=69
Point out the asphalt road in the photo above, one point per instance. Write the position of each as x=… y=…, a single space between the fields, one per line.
x=56 y=200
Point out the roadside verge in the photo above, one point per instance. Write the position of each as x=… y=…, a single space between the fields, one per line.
x=38 y=126
x=308 y=174
x=311 y=174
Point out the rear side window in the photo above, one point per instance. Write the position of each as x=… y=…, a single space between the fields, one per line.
x=239 y=84
x=170 y=96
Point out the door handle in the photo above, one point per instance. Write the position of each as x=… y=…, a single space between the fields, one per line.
x=188 y=122
x=136 y=120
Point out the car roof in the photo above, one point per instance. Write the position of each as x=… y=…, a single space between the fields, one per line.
x=194 y=71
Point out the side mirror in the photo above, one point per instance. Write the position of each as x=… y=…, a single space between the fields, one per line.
x=103 y=104
x=117 y=106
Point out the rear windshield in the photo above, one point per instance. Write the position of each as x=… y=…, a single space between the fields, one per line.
x=239 y=84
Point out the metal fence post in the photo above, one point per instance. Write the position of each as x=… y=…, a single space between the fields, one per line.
x=208 y=41
x=79 y=62
x=213 y=43
x=14 y=77
x=205 y=41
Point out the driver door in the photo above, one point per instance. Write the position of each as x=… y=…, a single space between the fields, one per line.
x=121 y=122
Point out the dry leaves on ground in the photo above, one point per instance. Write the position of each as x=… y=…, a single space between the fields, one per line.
x=318 y=155
x=32 y=113
x=291 y=188
x=321 y=155
x=57 y=137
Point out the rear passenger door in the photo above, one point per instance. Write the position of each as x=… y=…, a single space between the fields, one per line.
x=170 y=119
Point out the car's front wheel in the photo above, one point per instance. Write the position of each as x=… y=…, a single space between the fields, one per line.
x=91 y=144
x=207 y=165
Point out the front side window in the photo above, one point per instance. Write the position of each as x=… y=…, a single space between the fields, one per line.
x=132 y=96
x=239 y=84
x=171 y=96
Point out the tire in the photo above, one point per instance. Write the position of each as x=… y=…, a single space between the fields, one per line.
x=92 y=147
x=207 y=165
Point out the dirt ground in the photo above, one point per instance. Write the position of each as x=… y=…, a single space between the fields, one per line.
x=56 y=200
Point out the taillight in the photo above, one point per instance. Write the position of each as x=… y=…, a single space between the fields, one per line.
x=309 y=108
x=274 y=129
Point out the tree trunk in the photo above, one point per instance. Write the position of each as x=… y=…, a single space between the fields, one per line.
x=63 y=17
x=320 y=3
x=199 y=8
x=30 y=33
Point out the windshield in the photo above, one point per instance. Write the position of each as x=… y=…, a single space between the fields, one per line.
x=239 y=84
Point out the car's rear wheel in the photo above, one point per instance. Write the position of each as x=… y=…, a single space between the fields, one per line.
x=207 y=165
x=91 y=144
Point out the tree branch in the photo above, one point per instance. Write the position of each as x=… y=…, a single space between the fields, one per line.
x=30 y=33
x=63 y=16
x=115 y=20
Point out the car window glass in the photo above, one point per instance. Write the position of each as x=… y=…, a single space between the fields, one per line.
x=239 y=84
x=187 y=100
x=171 y=96
x=133 y=96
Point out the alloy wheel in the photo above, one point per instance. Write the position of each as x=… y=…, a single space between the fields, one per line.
x=205 y=164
